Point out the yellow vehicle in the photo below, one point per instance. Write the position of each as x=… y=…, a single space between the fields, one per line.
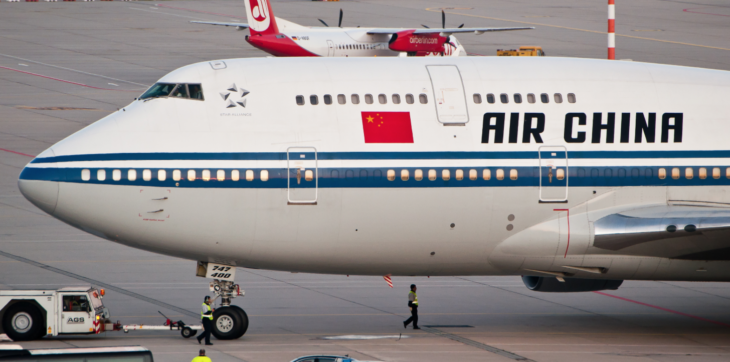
x=526 y=51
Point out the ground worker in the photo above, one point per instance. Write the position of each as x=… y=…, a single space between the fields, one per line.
x=413 y=304
x=207 y=316
x=201 y=357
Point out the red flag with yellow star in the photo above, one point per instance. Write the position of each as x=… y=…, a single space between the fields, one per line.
x=387 y=127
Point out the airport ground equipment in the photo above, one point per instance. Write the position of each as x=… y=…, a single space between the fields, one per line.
x=33 y=314
x=524 y=51
x=17 y=353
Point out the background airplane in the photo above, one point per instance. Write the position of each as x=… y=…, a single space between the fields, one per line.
x=283 y=38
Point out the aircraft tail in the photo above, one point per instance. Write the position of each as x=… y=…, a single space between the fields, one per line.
x=260 y=17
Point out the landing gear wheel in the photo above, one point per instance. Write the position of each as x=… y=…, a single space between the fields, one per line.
x=244 y=320
x=188 y=332
x=23 y=322
x=227 y=323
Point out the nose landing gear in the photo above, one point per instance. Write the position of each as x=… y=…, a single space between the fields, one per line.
x=229 y=321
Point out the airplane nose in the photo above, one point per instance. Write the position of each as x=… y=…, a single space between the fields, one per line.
x=37 y=188
x=43 y=194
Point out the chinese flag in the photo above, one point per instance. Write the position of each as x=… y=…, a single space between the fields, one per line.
x=387 y=127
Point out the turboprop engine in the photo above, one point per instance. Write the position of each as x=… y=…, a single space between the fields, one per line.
x=408 y=42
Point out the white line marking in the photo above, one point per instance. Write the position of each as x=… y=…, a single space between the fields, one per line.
x=116 y=85
x=25 y=65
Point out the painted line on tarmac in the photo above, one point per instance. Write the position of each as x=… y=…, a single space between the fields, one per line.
x=72 y=70
x=16 y=152
x=664 y=309
x=65 y=81
x=102 y=284
x=583 y=30
x=701 y=13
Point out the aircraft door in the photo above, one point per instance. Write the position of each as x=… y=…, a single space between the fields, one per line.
x=303 y=175
x=449 y=97
x=330 y=48
x=553 y=174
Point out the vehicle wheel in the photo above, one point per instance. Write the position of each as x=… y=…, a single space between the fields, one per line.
x=244 y=320
x=188 y=332
x=226 y=323
x=23 y=322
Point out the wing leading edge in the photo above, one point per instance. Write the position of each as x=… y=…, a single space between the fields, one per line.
x=445 y=31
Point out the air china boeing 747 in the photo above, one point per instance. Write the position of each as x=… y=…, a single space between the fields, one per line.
x=574 y=173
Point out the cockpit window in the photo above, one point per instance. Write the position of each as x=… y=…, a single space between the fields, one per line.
x=189 y=91
x=181 y=91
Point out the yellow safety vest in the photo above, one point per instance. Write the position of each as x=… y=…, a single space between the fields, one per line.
x=201 y=359
x=206 y=308
x=415 y=299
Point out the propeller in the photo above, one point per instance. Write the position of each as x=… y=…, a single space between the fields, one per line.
x=425 y=26
x=443 y=22
x=339 y=24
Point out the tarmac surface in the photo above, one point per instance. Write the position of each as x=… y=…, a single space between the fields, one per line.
x=64 y=65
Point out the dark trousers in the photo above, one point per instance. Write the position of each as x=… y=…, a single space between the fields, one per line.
x=207 y=327
x=414 y=317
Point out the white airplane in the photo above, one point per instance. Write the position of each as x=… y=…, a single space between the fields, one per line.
x=574 y=173
x=283 y=38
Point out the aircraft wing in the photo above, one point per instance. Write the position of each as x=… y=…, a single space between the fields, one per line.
x=445 y=30
x=238 y=25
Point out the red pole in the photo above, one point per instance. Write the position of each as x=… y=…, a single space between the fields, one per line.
x=611 y=30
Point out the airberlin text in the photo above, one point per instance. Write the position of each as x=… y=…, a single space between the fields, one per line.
x=608 y=127
x=420 y=40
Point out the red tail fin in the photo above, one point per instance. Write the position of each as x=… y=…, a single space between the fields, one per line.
x=260 y=17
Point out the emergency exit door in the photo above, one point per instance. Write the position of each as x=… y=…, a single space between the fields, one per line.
x=303 y=175
x=553 y=174
x=330 y=48
x=448 y=93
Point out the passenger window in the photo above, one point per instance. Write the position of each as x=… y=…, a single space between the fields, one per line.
x=432 y=175
x=500 y=174
x=196 y=91
x=235 y=175
x=503 y=98
x=308 y=175
x=703 y=173
x=446 y=175
x=518 y=98
x=391 y=175
x=409 y=98
x=418 y=175
x=560 y=174
x=689 y=173
x=544 y=98
x=382 y=98
x=249 y=175
x=487 y=174
x=132 y=175
x=101 y=175
x=662 y=173
x=327 y=99
x=313 y=100
x=341 y=99
x=191 y=175
x=206 y=175
x=675 y=173
x=161 y=175
x=396 y=99
x=181 y=91
x=176 y=176
x=369 y=99
x=477 y=98
x=300 y=100
x=423 y=98
x=147 y=175
x=571 y=98
x=716 y=173
x=472 y=175
x=117 y=175
x=513 y=174
x=355 y=99
x=490 y=98
x=459 y=175
x=404 y=175
x=558 y=98
x=264 y=175
x=220 y=175
x=530 y=98
x=86 y=174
